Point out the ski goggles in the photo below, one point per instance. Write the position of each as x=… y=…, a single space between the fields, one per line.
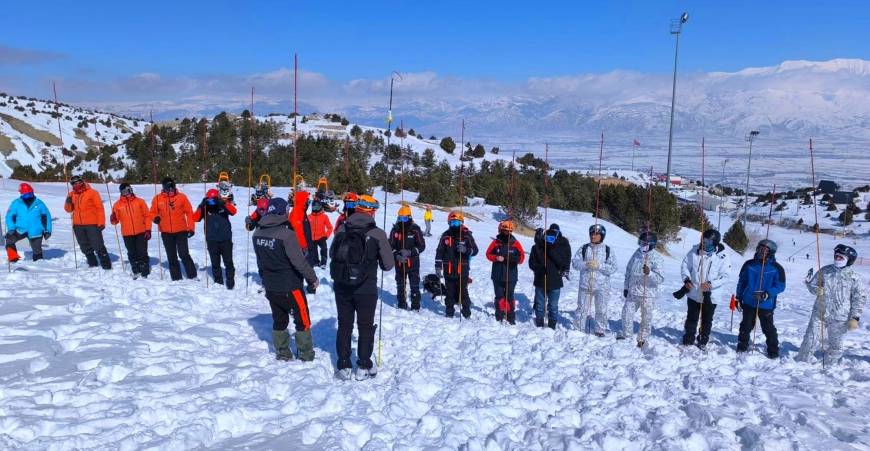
x=349 y=204
x=211 y=201
x=27 y=196
x=551 y=239
x=455 y=223
x=404 y=218
x=366 y=205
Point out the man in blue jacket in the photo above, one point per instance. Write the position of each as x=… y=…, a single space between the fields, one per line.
x=27 y=217
x=761 y=280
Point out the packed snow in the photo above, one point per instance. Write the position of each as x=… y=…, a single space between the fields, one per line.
x=92 y=359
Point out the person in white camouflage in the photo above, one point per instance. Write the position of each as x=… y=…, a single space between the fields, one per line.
x=840 y=298
x=596 y=263
x=643 y=276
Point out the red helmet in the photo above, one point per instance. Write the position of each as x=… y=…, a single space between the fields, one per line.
x=25 y=188
x=212 y=194
x=262 y=203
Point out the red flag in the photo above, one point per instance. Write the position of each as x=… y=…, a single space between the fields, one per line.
x=636 y=143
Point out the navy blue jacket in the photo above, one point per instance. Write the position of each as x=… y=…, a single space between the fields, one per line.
x=773 y=282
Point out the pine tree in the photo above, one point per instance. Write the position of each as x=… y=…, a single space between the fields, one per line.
x=448 y=145
x=736 y=237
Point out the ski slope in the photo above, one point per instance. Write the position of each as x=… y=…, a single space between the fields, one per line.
x=92 y=359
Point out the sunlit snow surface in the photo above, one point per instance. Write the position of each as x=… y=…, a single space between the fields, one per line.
x=93 y=359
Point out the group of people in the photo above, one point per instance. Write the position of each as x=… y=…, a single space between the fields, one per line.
x=289 y=242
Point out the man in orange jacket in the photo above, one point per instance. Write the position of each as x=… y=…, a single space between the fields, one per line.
x=135 y=219
x=321 y=229
x=172 y=213
x=89 y=220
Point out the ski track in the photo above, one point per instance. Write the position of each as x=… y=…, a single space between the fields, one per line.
x=92 y=359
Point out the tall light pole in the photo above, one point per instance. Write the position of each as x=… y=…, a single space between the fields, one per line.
x=721 y=201
x=749 y=138
x=676 y=29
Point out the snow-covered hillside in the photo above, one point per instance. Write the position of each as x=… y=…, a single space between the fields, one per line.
x=91 y=359
x=29 y=132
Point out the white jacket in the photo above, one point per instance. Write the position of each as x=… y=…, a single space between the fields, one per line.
x=599 y=278
x=634 y=276
x=843 y=293
x=717 y=271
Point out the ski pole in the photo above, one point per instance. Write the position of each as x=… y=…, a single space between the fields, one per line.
x=65 y=175
x=204 y=196
x=154 y=183
x=251 y=123
x=591 y=289
x=763 y=262
x=701 y=252
x=820 y=295
x=381 y=288
x=117 y=239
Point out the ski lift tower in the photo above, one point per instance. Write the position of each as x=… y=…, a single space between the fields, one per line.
x=676 y=29
x=750 y=137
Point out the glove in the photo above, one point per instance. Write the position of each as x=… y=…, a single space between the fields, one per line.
x=499 y=258
x=312 y=287
x=401 y=259
x=69 y=200
x=190 y=233
x=705 y=286
x=156 y=220
x=739 y=305
x=852 y=324
x=646 y=269
x=687 y=284
x=760 y=296
x=249 y=224
x=101 y=227
x=46 y=235
x=113 y=218
x=406 y=253
x=439 y=273
x=461 y=248
x=592 y=264
x=625 y=293
x=147 y=235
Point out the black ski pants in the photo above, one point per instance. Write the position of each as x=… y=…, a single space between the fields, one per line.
x=218 y=251
x=362 y=306
x=765 y=317
x=324 y=251
x=90 y=240
x=408 y=276
x=285 y=304
x=137 y=254
x=506 y=292
x=457 y=288
x=691 y=327
x=176 y=246
x=35 y=243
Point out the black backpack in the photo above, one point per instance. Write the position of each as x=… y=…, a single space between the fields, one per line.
x=350 y=262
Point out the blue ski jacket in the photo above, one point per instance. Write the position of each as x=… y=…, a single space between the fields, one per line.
x=33 y=219
x=773 y=283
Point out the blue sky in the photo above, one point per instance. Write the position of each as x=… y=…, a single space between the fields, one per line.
x=93 y=42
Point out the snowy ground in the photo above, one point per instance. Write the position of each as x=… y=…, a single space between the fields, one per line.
x=91 y=359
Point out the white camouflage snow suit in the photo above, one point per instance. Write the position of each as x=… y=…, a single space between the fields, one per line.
x=594 y=285
x=637 y=297
x=842 y=299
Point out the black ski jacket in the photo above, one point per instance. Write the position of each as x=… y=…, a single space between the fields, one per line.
x=280 y=262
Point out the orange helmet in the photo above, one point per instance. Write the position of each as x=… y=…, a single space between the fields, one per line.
x=506 y=226
x=404 y=211
x=367 y=204
x=457 y=215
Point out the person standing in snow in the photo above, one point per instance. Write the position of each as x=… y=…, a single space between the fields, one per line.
x=282 y=267
x=349 y=204
x=357 y=250
x=761 y=280
x=133 y=215
x=408 y=243
x=596 y=263
x=27 y=217
x=427 y=218
x=171 y=211
x=321 y=230
x=643 y=277
x=706 y=270
x=253 y=220
x=218 y=235
x=505 y=253
x=89 y=220
x=550 y=260
x=452 y=259
x=840 y=295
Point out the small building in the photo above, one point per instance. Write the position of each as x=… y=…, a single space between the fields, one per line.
x=844 y=197
x=828 y=187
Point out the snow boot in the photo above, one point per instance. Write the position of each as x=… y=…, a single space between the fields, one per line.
x=231 y=283
x=12 y=255
x=344 y=374
x=92 y=260
x=641 y=344
x=304 y=345
x=281 y=339
x=403 y=304
x=105 y=262
x=773 y=353
x=37 y=257
x=620 y=337
x=539 y=322
x=551 y=323
x=362 y=374
x=415 y=301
